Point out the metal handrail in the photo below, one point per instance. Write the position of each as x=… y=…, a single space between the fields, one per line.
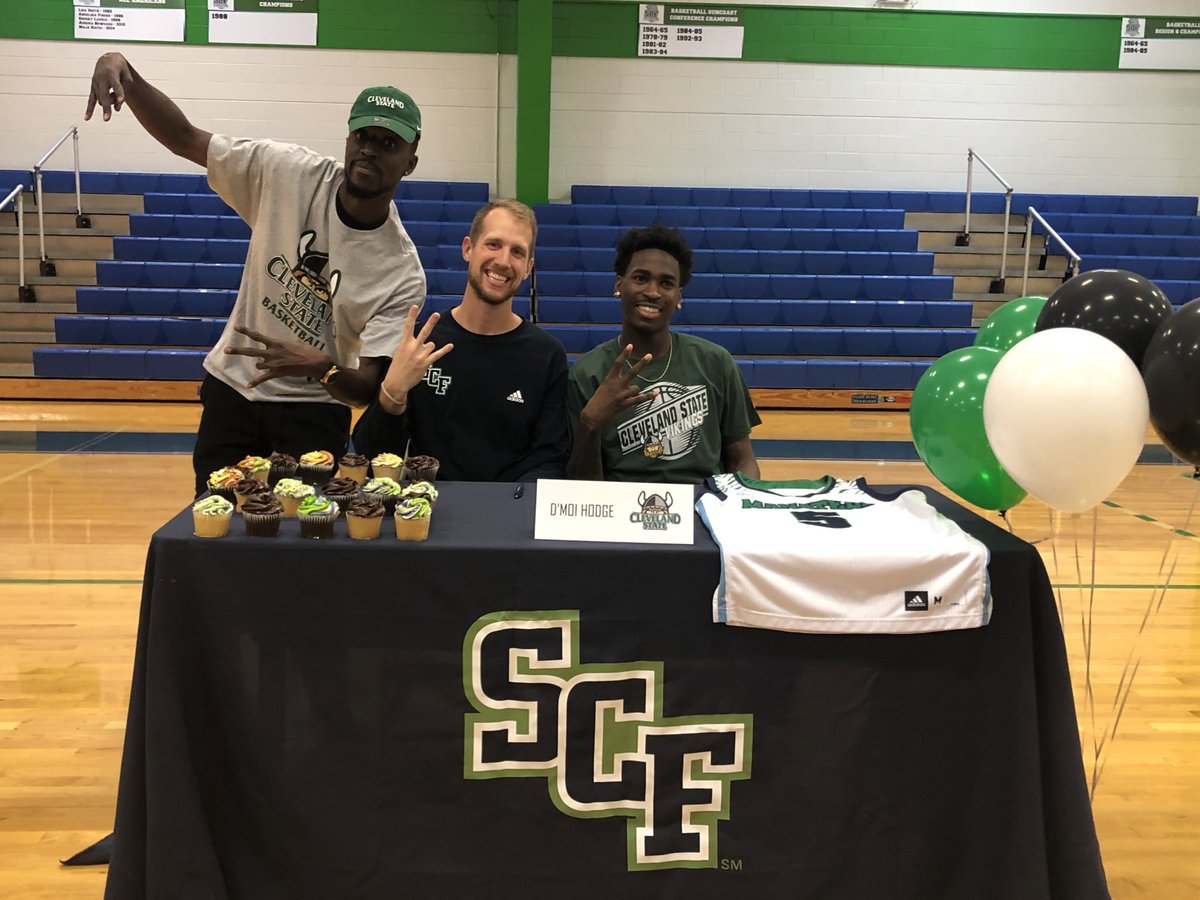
x=81 y=221
x=964 y=239
x=24 y=292
x=1072 y=265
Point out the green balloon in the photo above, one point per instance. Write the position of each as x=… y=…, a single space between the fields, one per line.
x=1010 y=323
x=946 y=417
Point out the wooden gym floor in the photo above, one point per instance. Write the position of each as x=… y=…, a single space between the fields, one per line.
x=83 y=486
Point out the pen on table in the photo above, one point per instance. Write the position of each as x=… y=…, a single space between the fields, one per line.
x=519 y=492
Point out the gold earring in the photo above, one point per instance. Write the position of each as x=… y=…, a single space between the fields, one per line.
x=616 y=293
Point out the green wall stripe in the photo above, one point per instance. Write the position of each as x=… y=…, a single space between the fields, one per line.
x=870 y=37
x=447 y=26
x=604 y=29
x=535 y=34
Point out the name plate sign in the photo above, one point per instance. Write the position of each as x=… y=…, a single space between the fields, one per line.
x=621 y=512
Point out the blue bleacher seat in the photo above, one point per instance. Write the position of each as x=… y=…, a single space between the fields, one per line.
x=175 y=365
x=60 y=362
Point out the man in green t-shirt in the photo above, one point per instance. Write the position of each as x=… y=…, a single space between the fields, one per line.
x=653 y=405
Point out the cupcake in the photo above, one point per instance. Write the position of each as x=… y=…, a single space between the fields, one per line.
x=224 y=480
x=421 y=489
x=353 y=465
x=262 y=513
x=364 y=518
x=316 y=467
x=282 y=466
x=341 y=491
x=316 y=515
x=256 y=466
x=211 y=516
x=387 y=465
x=291 y=491
x=247 y=488
x=412 y=519
x=420 y=468
x=386 y=489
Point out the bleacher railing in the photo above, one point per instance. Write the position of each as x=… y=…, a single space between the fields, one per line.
x=1073 y=259
x=24 y=292
x=964 y=239
x=46 y=267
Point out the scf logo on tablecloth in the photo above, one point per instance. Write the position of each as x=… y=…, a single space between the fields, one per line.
x=597 y=734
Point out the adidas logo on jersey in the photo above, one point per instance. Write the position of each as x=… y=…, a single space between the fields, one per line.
x=916 y=601
x=515 y=397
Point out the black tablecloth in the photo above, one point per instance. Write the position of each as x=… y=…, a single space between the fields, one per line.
x=300 y=727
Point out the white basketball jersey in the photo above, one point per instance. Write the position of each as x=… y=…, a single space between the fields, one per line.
x=833 y=556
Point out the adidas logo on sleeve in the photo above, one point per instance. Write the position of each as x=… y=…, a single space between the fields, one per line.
x=832 y=556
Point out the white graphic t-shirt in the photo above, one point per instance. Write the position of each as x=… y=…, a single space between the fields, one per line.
x=308 y=276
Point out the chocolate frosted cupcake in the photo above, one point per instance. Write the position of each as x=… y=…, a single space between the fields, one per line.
x=291 y=492
x=421 y=468
x=210 y=517
x=316 y=515
x=316 y=467
x=412 y=519
x=247 y=488
x=341 y=491
x=262 y=513
x=353 y=465
x=256 y=467
x=282 y=466
x=386 y=489
x=364 y=518
x=387 y=465
x=222 y=482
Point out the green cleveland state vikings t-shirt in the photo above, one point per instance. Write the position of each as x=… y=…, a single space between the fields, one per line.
x=702 y=405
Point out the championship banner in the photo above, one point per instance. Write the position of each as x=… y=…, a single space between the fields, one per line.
x=129 y=20
x=690 y=32
x=1160 y=43
x=291 y=23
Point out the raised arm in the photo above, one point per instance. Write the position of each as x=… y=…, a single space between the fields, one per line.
x=615 y=394
x=116 y=83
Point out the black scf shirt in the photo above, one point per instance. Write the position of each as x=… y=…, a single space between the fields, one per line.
x=492 y=409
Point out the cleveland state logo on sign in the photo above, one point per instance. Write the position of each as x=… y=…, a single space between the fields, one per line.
x=655 y=513
x=597 y=733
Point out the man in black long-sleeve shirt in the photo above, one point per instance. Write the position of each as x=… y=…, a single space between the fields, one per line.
x=481 y=389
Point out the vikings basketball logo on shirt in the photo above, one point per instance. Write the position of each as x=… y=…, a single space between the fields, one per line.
x=666 y=426
x=306 y=305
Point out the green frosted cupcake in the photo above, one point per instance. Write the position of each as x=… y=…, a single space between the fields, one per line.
x=316 y=514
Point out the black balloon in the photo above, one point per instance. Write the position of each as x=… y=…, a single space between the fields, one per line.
x=1122 y=306
x=1171 y=371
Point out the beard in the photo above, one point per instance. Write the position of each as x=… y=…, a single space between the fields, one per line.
x=487 y=292
x=359 y=193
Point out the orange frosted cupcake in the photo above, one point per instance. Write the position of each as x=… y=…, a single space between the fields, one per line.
x=316 y=467
x=257 y=466
x=224 y=480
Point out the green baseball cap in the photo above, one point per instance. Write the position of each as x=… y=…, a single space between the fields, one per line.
x=386 y=107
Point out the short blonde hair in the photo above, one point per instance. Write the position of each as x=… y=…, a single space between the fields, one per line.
x=515 y=208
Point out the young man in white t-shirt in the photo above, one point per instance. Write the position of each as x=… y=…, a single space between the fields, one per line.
x=329 y=277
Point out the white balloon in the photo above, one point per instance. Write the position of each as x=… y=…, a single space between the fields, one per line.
x=1066 y=412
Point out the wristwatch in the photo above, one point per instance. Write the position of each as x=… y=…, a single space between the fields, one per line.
x=330 y=374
